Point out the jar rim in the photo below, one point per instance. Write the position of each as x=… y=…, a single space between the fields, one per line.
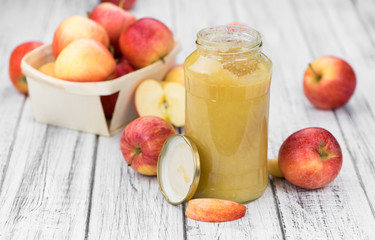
x=229 y=38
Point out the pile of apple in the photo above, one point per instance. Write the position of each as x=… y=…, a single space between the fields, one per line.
x=108 y=44
x=310 y=158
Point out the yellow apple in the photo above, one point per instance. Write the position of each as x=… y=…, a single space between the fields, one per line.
x=85 y=60
x=161 y=99
x=76 y=27
x=48 y=69
x=176 y=74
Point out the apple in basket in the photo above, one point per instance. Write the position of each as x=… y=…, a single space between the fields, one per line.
x=124 y=4
x=76 y=27
x=176 y=74
x=85 y=60
x=146 y=41
x=109 y=102
x=114 y=20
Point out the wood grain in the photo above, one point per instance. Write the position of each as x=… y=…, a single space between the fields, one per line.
x=303 y=212
x=45 y=171
x=126 y=204
x=46 y=189
x=62 y=184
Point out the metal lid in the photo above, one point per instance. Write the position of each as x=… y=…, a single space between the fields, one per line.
x=178 y=169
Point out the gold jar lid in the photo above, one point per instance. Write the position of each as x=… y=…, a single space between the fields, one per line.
x=178 y=169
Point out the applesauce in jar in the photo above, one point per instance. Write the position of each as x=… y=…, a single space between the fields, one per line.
x=227 y=99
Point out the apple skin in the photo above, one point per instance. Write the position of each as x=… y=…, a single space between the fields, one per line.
x=176 y=74
x=85 y=60
x=109 y=102
x=141 y=143
x=146 y=41
x=15 y=73
x=123 y=67
x=114 y=20
x=127 y=4
x=214 y=210
x=332 y=84
x=310 y=158
x=48 y=69
x=237 y=24
x=76 y=27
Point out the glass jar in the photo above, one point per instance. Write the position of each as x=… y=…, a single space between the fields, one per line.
x=227 y=100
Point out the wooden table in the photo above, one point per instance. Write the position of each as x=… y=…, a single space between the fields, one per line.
x=57 y=183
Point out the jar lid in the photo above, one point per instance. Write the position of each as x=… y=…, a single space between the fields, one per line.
x=178 y=169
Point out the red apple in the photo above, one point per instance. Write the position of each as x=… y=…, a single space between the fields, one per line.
x=109 y=102
x=329 y=82
x=125 y=4
x=142 y=140
x=76 y=27
x=123 y=67
x=310 y=158
x=146 y=41
x=15 y=73
x=85 y=60
x=114 y=20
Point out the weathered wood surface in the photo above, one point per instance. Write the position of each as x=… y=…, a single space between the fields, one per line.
x=62 y=184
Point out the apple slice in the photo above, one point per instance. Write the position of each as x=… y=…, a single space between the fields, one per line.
x=273 y=167
x=165 y=100
x=214 y=210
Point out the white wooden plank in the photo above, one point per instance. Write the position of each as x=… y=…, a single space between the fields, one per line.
x=125 y=204
x=262 y=213
x=365 y=12
x=47 y=186
x=357 y=118
x=341 y=209
x=47 y=182
x=24 y=21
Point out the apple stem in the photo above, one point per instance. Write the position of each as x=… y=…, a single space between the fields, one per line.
x=88 y=14
x=322 y=151
x=121 y=3
x=111 y=49
x=137 y=151
x=23 y=79
x=318 y=76
x=162 y=59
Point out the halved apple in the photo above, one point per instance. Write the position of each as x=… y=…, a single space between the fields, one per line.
x=162 y=99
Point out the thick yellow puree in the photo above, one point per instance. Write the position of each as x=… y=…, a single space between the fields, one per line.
x=227 y=100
